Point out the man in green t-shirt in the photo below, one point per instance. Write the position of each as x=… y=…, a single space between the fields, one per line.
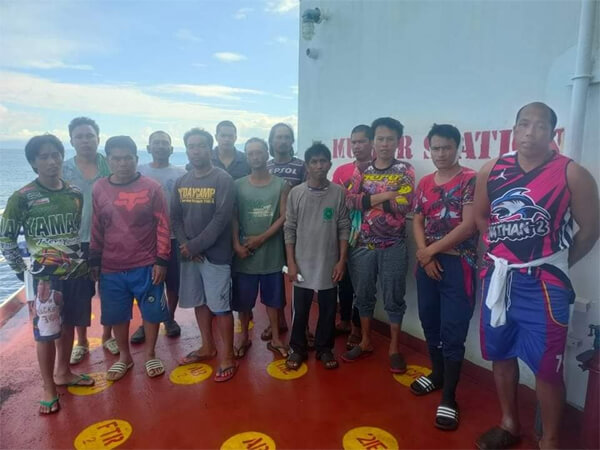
x=258 y=244
x=49 y=210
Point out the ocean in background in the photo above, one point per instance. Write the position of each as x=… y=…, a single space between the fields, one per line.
x=16 y=172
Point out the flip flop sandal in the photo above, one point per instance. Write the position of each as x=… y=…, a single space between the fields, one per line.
x=240 y=352
x=446 y=418
x=267 y=334
x=294 y=361
x=353 y=341
x=355 y=354
x=194 y=357
x=120 y=369
x=328 y=360
x=496 y=438
x=112 y=346
x=279 y=350
x=154 y=367
x=79 y=351
x=422 y=386
x=226 y=374
x=397 y=363
x=81 y=380
x=50 y=405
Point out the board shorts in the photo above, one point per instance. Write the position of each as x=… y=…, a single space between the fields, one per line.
x=246 y=288
x=205 y=284
x=537 y=320
x=118 y=289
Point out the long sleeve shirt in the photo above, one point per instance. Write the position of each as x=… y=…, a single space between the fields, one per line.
x=130 y=225
x=201 y=214
x=385 y=225
x=51 y=220
x=316 y=220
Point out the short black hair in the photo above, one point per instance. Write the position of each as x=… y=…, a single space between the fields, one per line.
x=272 y=133
x=154 y=133
x=366 y=129
x=317 y=149
x=77 y=121
x=120 y=142
x=226 y=123
x=259 y=140
x=198 y=132
x=446 y=131
x=553 y=117
x=35 y=144
x=390 y=123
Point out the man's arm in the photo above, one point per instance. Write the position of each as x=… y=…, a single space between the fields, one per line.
x=177 y=214
x=224 y=198
x=241 y=251
x=585 y=210
x=96 y=237
x=481 y=204
x=163 y=236
x=255 y=242
x=289 y=232
x=10 y=224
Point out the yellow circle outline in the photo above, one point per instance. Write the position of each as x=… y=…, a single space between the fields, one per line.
x=190 y=374
x=103 y=435
x=249 y=439
x=277 y=369
x=361 y=438
x=101 y=384
x=412 y=373
x=237 y=326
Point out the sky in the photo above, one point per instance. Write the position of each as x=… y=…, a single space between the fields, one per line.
x=138 y=66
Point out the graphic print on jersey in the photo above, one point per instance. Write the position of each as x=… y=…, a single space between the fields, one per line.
x=520 y=217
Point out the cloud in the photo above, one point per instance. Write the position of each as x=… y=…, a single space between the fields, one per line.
x=294 y=89
x=184 y=34
x=122 y=103
x=242 y=13
x=229 y=57
x=282 y=6
x=199 y=65
x=207 y=90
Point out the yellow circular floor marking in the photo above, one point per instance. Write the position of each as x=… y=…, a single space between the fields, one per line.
x=250 y=440
x=238 y=326
x=101 y=383
x=190 y=373
x=94 y=343
x=277 y=369
x=411 y=374
x=103 y=435
x=370 y=438
x=93 y=316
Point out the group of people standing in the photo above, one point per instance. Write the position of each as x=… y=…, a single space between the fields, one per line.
x=214 y=235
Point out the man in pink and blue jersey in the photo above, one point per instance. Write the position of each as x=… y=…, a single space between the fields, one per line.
x=525 y=205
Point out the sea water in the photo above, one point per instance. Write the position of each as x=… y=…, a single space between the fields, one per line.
x=15 y=172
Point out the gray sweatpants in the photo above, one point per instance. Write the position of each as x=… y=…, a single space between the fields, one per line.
x=390 y=264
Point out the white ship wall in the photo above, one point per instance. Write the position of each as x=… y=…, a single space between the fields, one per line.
x=472 y=64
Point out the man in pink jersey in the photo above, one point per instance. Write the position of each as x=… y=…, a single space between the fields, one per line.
x=361 y=140
x=129 y=252
x=525 y=204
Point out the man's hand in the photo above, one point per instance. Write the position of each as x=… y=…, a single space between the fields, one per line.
x=338 y=271
x=241 y=251
x=424 y=256
x=185 y=252
x=434 y=269
x=95 y=273
x=159 y=273
x=292 y=272
x=253 y=242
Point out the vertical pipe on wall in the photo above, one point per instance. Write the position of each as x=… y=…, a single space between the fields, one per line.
x=581 y=79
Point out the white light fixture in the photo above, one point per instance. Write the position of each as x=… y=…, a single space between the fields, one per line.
x=309 y=18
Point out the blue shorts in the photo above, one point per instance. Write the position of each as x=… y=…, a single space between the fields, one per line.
x=537 y=318
x=246 y=286
x=118 y=289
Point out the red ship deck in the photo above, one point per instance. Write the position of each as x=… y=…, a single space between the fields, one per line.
x=315 y=411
